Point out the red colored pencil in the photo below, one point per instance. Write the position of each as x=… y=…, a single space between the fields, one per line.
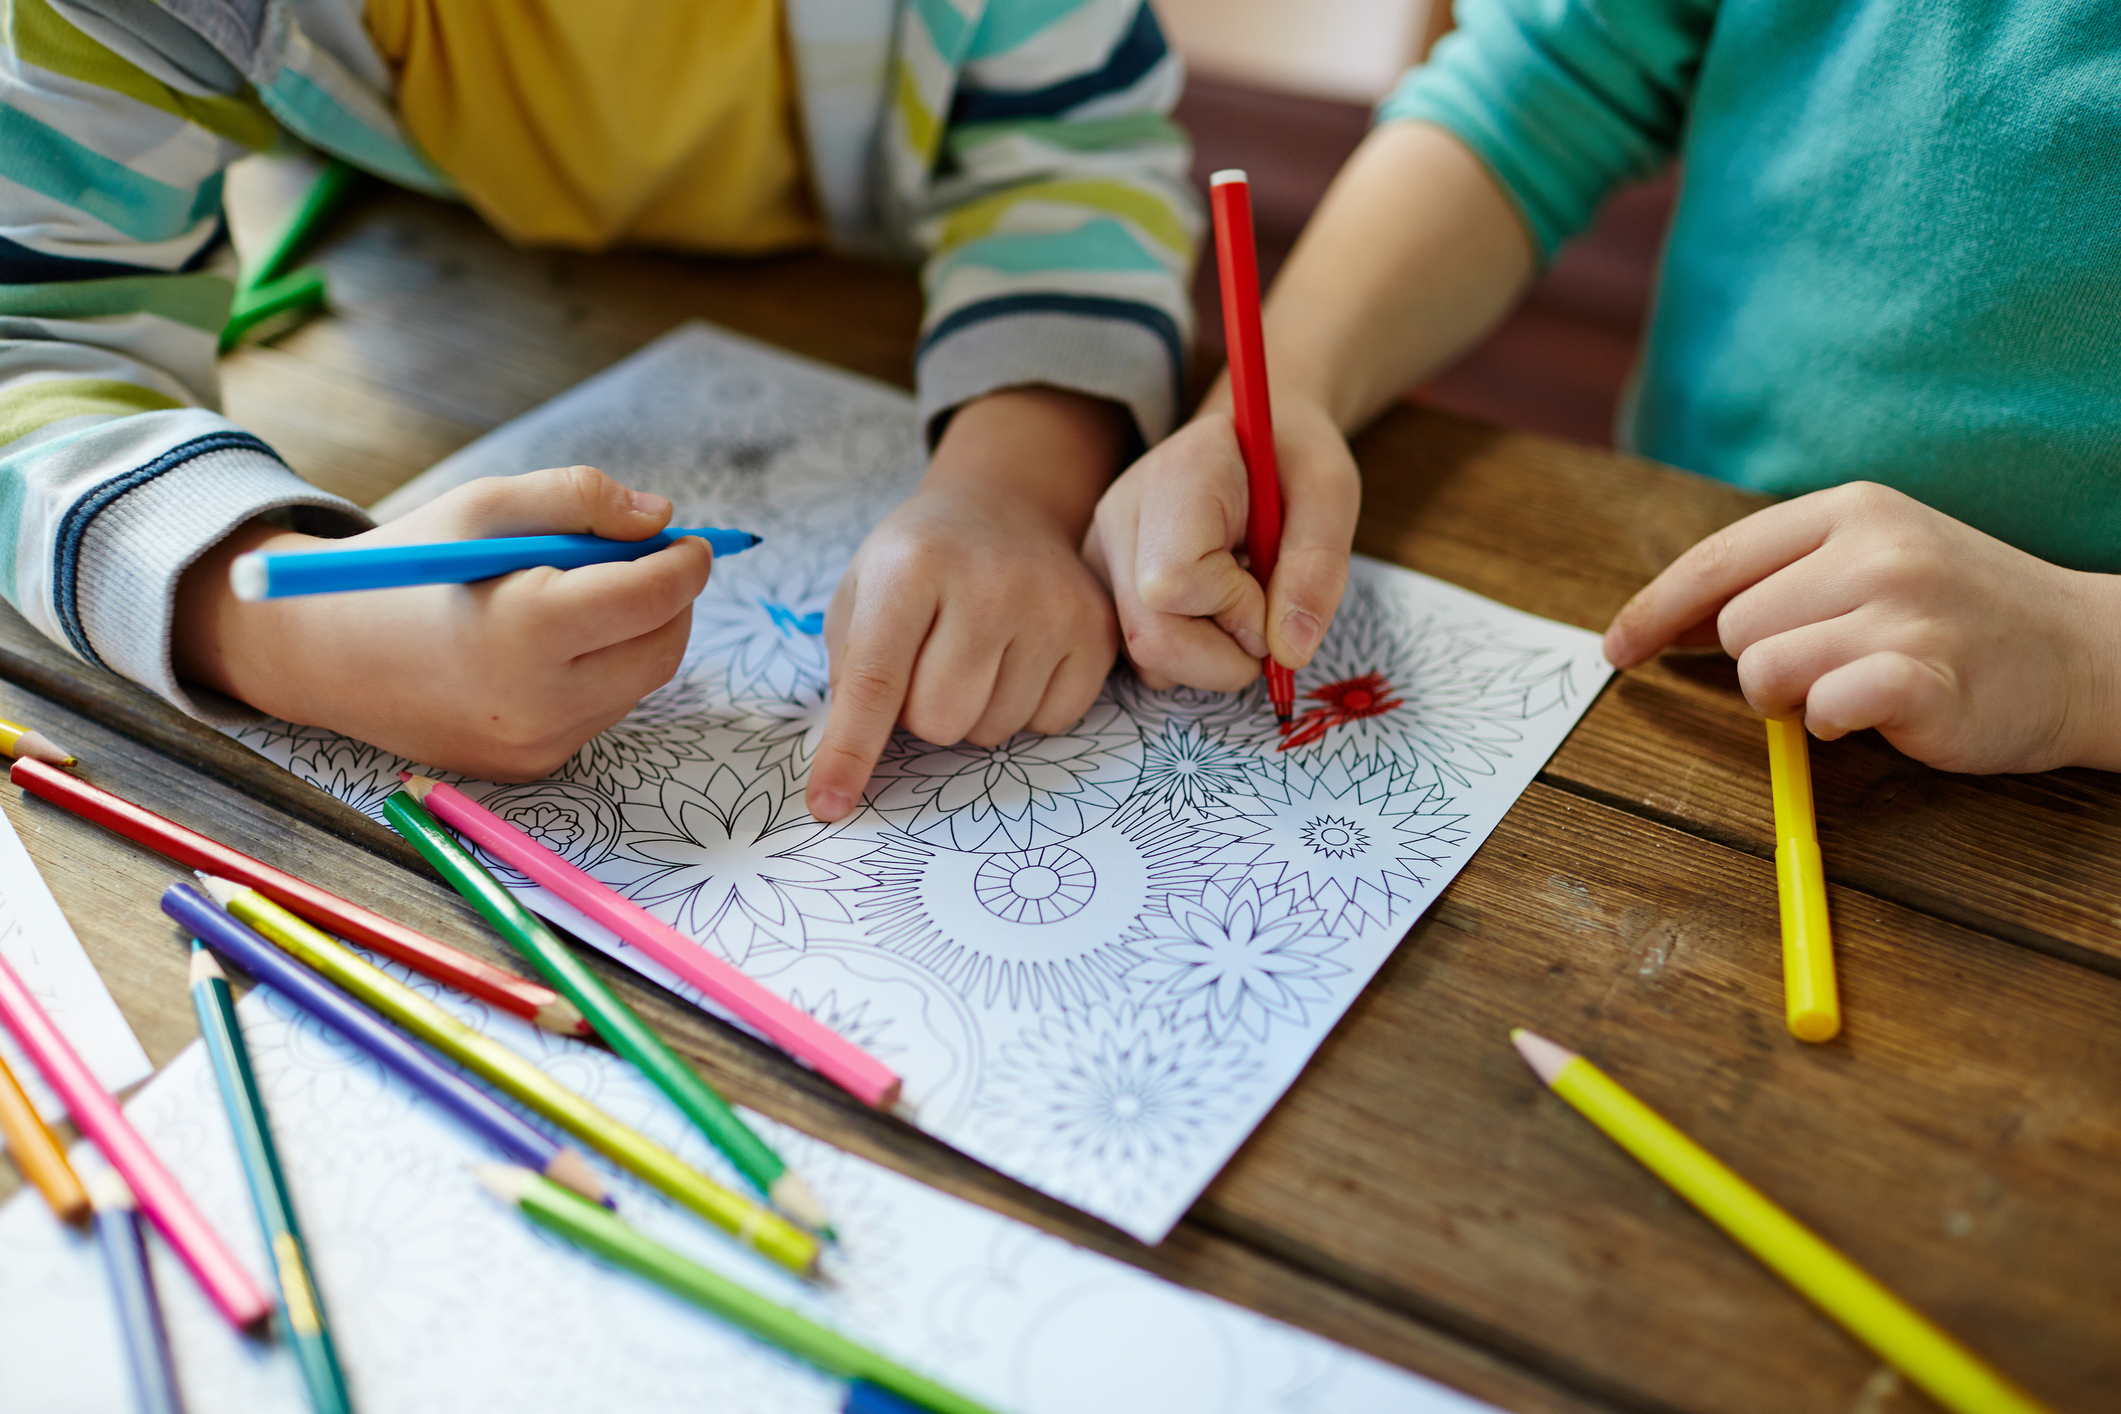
x=1237 y=259
x=161 y=1197
x=498 y=987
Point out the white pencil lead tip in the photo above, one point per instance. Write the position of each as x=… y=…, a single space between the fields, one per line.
x=1545 y=1058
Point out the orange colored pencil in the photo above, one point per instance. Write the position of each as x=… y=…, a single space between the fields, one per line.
x=35 y=1150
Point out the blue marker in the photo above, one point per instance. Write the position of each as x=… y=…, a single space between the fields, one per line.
x=262 y=576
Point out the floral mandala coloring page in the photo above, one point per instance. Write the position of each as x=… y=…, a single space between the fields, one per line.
x=1097 y=957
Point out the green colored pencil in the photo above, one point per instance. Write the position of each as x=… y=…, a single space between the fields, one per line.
x=301 y=1308
x=611 y=1237
x=611 y=1018
x=750 y=1222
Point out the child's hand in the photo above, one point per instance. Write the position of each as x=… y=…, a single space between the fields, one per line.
x=503 y=679
x=968 y=615
x=1863 y=608
x=1166 y=536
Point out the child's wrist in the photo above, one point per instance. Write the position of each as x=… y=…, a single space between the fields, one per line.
x=211 y=638
x=2094 y=715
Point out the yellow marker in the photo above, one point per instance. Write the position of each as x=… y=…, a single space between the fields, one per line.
x=1800 y=878
x=1954 y=1376
x=21 y=741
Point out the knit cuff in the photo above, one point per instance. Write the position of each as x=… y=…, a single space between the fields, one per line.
x=123 y=547
x=1128 y=352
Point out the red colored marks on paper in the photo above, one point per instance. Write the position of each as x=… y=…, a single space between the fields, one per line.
x=1341 y=702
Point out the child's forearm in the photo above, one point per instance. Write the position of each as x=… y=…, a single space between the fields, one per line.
x=1414 y=254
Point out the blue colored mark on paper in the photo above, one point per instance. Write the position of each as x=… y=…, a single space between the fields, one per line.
x=788 y=621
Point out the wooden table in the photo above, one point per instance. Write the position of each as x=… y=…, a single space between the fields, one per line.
x=1415 y=1195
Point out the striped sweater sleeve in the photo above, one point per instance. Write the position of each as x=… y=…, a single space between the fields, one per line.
x=117 y=470
x=1062 y=230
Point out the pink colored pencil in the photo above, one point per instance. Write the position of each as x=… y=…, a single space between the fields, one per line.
x=157 y=1190
x=796 y=1032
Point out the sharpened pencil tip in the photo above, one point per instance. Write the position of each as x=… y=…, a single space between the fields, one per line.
x=39 y=747
x=507 y=1182
x=417 y=786
x=108 y=1192
x=220 y=890
x=793 y=1197
x=570 y=1170
x=1545 y=1058
x=204 y=967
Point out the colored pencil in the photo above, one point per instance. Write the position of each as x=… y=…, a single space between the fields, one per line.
x=866 y=1398
x=613 y=1020
x=753 y=1225
x=132 y=1290
x=1812 y=999
x=302 y=1314
x=792 y=1029
x=22 y=741
x=262 y=576
x=497 y=987
x=1237 y=261
x=615 y=1240
x=159 y=1194
x=1953 y=1376
x=35 y=1150
x=478 y=1111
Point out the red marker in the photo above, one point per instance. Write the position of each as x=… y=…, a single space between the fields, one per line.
x=1230 y=198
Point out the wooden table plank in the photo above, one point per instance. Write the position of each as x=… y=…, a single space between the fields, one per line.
x=1961 y=1139
x=107 y=886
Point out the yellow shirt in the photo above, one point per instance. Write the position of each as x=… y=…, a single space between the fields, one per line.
x=590 y=123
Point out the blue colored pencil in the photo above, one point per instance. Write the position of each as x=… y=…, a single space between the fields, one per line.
x=132 y=1289
x=262 y=576
x=302 y=1315
x=477 y=1110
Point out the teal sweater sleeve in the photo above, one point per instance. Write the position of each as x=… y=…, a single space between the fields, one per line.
x=1562 y=99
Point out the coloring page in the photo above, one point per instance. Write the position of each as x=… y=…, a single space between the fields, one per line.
x=39 y=944
x=444 y=1302
x=1097 y=958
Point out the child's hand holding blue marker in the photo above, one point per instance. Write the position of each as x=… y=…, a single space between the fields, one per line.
x=503 y=678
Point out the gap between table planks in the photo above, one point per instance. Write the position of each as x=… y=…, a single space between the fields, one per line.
x=446 y=330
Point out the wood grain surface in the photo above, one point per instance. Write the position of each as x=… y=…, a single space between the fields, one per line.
x=1416 y=1195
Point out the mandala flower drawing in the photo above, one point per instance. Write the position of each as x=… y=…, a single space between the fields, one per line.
x=1032 y=928
x=577 y=823
x=1361 y=840
x=1028 y=792
x=1106 y=1107
x=734 y=859
x=780 y=733
x=1238 y=959
x=1188 y=771
x=654 y=742
x=1445 y=697
x=760 y=627
x=363 y=776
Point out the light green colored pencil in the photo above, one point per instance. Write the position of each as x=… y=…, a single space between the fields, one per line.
x=611 y=1237
x=751 y=1223
x=611 y=1018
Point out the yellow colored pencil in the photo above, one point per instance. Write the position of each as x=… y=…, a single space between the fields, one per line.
x=22 y=741
x=752 y=1224
x=1813 y=999
x=1954 y=1376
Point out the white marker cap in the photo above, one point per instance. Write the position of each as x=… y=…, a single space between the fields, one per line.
x=248 y=576
x=1229 y=174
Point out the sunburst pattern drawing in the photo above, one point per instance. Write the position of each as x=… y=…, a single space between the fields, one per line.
x=1363 y=841
x=759 y=629
x=1444 y=695
x=1028 y=792
x=972 y=918
x=1113 y=1098
x=654 y=741
x=1188 y=770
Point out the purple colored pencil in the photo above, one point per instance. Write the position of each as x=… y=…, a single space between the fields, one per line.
x=497 y=1124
